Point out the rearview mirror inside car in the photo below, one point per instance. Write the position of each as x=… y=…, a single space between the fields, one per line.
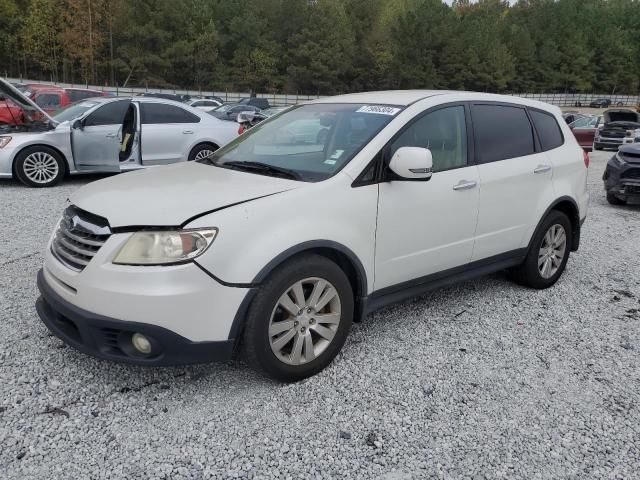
x=412 y=163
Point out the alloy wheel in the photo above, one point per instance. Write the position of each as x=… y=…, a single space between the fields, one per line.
x=304 y=321
x=40 y=167
x=552 y=250
x=203 y=154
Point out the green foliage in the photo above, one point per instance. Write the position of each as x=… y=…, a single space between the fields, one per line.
x=327 y=46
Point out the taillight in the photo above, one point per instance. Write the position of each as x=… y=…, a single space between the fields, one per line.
x=241 y=129
x=585 y=156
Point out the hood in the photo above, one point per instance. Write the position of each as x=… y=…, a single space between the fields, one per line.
x=172 y=195
x=621 y=115
x=33 y=112
x=630 y=152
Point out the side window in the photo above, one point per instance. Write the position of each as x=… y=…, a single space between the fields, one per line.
x=74 y=95
x=549 y=132
x=198 y=104
x=153 y=113
x=444 y=132
x=111 y=113
x=501 y=132
x=48 y=100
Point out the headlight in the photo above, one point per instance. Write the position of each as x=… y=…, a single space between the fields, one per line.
x=619 y=158
x=4 y=141
x=165 y=247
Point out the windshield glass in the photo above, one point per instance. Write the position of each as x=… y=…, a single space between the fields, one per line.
x=73 y=111
x=310 y=142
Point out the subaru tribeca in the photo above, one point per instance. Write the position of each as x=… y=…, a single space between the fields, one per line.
x=277 y=242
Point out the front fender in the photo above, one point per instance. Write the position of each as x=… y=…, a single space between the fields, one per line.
x=257 y=235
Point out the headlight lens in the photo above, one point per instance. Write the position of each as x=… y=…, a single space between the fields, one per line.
x=4 y=141
x=165 y=247
x=619 y=158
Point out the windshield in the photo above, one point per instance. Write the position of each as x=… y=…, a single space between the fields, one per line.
x=73 y=111
x=310 y=142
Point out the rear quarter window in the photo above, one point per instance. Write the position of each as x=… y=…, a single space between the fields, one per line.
x=501 y=132
x=548 y=130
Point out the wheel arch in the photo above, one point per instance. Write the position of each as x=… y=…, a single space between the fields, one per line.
x=65 y=160
x=341 y=255
x=569 y=207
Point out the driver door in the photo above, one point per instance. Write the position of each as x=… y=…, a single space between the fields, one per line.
x=426 y=227
x=94 y=139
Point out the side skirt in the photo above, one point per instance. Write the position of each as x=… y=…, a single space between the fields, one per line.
x=418 y=286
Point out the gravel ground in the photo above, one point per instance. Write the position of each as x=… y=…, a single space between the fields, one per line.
x=485 y=379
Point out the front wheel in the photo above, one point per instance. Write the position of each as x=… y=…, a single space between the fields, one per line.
x=299 y=320
x=613 y=200
x=548 y=254
x=39 y=166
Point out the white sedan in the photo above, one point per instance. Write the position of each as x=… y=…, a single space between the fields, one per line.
x=104 y=134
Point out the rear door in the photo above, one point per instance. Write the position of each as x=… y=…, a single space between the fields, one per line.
x=515 y=178
x=95 y=145
x=584 y=129
x=167 y=132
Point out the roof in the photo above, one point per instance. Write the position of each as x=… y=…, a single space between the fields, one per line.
x=408 y=97
x=389 y=97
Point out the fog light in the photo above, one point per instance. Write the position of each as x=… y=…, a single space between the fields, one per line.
x=141 y=343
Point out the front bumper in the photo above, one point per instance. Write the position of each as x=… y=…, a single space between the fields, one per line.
x=609 y=142
x=622 y=181
x=108 y=338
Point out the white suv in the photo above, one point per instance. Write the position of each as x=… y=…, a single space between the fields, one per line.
x=308 y=222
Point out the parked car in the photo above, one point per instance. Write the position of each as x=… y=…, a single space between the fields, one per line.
x=279 y=245
x=203 y=104
x=230 y=111
x=622 y=175
x=269 y=112
x=584 y=129
x=261 y=103
x=600 y=103
x=621 y=126
x=10 y=114
x=84 y=137
x=571 y=117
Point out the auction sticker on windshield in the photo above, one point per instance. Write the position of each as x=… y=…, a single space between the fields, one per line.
x=380 y=109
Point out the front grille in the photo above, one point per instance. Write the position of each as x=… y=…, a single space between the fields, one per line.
x=79 y=237
x=631 y=173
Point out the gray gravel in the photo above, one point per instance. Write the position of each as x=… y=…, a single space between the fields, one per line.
x=481 y=380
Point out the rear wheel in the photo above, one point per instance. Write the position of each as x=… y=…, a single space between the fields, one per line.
x=299 y=320
x=613 y=200
x=39 y=166
x=202 y=151
x=548 y=254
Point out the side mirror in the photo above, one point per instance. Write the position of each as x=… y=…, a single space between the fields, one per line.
x=78 y=125
x=412 y=163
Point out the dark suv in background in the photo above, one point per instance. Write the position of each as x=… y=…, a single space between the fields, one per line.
x=622 y=175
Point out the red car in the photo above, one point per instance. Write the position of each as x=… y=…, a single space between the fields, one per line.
x=585 y=130
x=51 y=98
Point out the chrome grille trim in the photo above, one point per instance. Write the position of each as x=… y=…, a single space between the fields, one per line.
x=79 y=237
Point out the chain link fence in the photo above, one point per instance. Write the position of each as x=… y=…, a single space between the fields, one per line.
x=277 y=99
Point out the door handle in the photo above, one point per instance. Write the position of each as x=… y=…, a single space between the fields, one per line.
x=464 y=185
x=542 y=169
x=112 y=135
x=187 y=132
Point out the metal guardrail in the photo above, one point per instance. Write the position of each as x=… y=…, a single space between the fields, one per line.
x=276 y=99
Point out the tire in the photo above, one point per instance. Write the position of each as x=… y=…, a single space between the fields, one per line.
x=201 y=150
x=272 y=349
x=613 y=200
x=39 y=166
x=529 y=273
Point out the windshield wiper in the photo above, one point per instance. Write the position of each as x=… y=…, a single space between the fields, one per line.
x=262 y=167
